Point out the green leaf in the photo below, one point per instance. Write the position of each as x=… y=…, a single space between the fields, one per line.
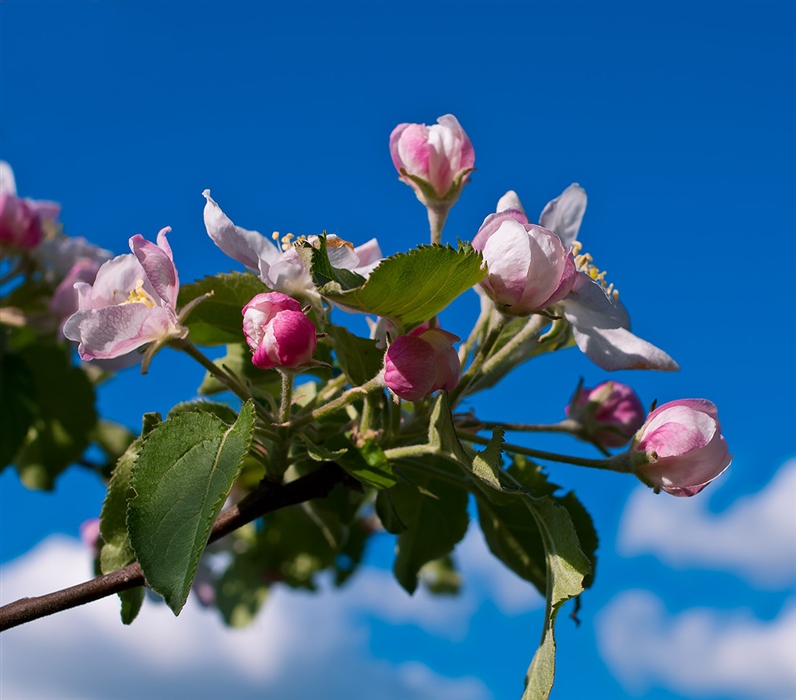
x=359 y=358
x=65 y=415
x=487 y=464
x=566 y=568
x=366 y=463
x=218 y=320
x=436 y=520
x=17 y=406
x=116 y=552
x=219 y=410
x=407 y=288
x=388 y=516
x=182 y=476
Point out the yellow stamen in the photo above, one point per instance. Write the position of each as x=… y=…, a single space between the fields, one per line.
x=584 y=263
x=140 y=296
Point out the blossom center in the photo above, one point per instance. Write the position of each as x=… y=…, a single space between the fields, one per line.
x=287 y=241
x=585 y=263
x=140 y=296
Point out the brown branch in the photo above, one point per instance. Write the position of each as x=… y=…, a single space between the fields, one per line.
x=266 y=499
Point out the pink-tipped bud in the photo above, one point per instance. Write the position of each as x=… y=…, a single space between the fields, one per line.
x=610 y=414
x=680 y=448
x=435 y=161
x=277 y=331
x=529 y=267
x=418 y=364
x=20 y=222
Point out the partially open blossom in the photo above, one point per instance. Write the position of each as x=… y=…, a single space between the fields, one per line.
x=600 y=322
x=21 y=219
x=65 y=299
x=435 y=161
x=277 y=331
x=279 y=267
x=680 y=448
x=418 y=364
x=529 y=267
x=610 y=413
x=131 y=303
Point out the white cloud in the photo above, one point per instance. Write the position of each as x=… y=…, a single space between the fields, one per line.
x=755 y=538
x=699 y=652
x=301 y=645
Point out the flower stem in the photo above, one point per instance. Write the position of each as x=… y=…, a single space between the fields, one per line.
x=437 y=215
x=345 y=399
x=618 y=463
x=565 y=426
x=481 y=355
x=287 y=395
x=410 y=451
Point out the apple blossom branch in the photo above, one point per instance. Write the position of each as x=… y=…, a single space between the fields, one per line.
x=266 y=499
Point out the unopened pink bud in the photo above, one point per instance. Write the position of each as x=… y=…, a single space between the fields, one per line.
x=610 y=413
x=277 y=331
x=435 y=161
x=680 y=448
x=529 y=267
x=20 y=223
x=419 y=364
x=90 y=533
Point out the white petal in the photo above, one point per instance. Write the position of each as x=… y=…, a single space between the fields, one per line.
x=564 y=214
x=7 y=183
x=247 y=247
x=510 y=200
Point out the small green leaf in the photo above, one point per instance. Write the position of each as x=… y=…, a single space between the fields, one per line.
x=359 y=358
x=367 y=463
x=182 y=476
x=218 y=320
x=408 y=288
x=566 y=568
x=487 y=464
x=436 y=520
x=116 y=552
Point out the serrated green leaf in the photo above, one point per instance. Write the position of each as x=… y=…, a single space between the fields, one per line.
x=566 y=568
x=359 y=358
x=488 y=463
x=408 y=288
x=65 y=417
x=218 y=320
x=17 y=405
x=435 y=523
x=116 y=551
x=219 y=410
x=182 y=476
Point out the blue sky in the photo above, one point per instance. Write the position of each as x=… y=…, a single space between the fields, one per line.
x=679 y=120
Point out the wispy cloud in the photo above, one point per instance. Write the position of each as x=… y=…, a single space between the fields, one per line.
x=301 y=645
x=755 y=538
x=698 y=652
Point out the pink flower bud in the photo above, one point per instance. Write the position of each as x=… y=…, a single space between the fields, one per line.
x=20 y=223
x=680 y=447
x=278 y=333
x=529 y=267
x=418 y=364
x=610 y=414
x=435 y=161
x=90 y=533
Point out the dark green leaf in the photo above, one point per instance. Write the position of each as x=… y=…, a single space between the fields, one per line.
x=436 y=520
x=17 y=405
x=65 y=415
x=219 y=410
x=218 y=320
x=359 y=358
x=183 y=474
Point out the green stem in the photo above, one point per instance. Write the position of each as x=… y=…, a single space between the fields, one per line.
x=345 y=399
x=534 y=326
x=368 y=411
x=478 y=330
x=287 y=395
x=395 y=453
x=466 y=482
x=619 y=463
x=480 y=357
x=565 y=426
